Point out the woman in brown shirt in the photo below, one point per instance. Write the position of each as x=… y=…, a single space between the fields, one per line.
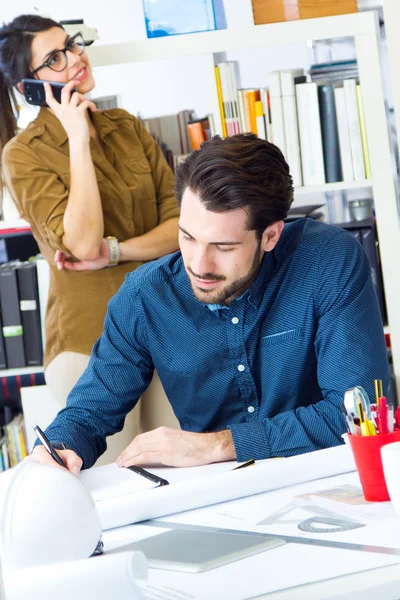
x=79 y=175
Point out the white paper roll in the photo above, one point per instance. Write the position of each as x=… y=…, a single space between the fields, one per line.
x=105 y=577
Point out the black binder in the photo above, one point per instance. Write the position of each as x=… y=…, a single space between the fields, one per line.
x=29 y=307
x=3 y=362
x=365 y=232
x=12 y=322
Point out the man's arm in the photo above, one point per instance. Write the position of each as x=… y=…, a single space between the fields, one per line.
x=176 y=448
x=119 y=371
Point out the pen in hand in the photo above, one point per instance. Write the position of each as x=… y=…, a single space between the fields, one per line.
x=42 y=437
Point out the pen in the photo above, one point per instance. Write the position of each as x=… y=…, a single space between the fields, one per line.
x=397 y=417
x=42 y=437
x=245 y=464
x=148 y=475
x=383 y=415
x=390 y=418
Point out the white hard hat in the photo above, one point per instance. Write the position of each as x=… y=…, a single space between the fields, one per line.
x=46 y=516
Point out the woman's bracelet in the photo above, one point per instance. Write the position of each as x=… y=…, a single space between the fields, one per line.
x=114 y=250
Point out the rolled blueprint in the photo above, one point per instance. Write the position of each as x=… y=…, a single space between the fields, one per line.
x=105 y=577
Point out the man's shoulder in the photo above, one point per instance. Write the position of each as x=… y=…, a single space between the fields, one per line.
x=157 y=274
x=315 y=235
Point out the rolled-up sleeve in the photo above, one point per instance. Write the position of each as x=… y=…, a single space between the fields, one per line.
x=40 y=195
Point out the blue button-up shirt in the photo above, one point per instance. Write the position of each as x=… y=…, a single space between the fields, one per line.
x=272 y=367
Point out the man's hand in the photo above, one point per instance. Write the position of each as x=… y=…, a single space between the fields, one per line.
x=176 y=448
x=63 y=261
x=70 y=459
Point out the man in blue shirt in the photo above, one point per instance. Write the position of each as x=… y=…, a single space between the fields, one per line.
x=256 y=329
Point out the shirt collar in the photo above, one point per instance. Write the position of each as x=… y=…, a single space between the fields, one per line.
x=102 y=122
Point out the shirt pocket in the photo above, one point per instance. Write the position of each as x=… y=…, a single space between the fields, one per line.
x=282 y=337
x=139 y=178
x=283 y=357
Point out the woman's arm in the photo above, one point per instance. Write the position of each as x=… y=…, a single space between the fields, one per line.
x=161 y=240
x=83 y=217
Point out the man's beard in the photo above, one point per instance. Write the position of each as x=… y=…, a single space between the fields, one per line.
x=236 y=288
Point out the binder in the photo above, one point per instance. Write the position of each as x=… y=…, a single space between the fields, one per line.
x=3 y=361
x=30 y=314
x=365 y=232
x=12 y=321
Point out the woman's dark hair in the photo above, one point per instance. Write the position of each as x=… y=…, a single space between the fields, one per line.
x=240 y=171
x=15 y=64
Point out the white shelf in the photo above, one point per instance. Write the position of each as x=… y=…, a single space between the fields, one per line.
x=21 y=371
x=223 y=40
x=332 y=187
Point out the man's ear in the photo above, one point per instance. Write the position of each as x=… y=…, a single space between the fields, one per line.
x=20 y=87
x=271 y=236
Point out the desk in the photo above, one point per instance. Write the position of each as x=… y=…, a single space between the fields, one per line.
x=264 y=575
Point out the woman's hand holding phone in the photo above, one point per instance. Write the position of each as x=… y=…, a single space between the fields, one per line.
x=71 y=112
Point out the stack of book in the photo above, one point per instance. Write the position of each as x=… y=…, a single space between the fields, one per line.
x=334 y=72
x=177 y=135
x=20 y=323
x=319 y=127
x=13 y=447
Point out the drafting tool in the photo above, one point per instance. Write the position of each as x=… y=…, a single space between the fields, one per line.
x=312 y=525
x=288 y=538
x=320 y=515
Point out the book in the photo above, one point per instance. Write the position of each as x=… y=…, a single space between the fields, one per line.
x=199 y=132
x=363 y=130
x=251 y=97
x=260 y=122
x=291 y=126
x=43 y=278
x=121 y=502
x=242 y=112
x=277 y=118
x=11 y=317
x=330 y=136
x=312 y=157
x=224 y=72
x=30 y=314
x=346 y=160
x=353 y=117
x=220 y=100
x=3 y=361
x=266 y=100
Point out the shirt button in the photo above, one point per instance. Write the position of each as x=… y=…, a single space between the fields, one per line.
x=235 y=320
x=241 y=368
x=250 y=409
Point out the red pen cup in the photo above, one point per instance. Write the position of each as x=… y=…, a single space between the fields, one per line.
x=367 y=455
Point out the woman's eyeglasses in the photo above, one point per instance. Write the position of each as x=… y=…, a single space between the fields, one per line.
x=58 y=60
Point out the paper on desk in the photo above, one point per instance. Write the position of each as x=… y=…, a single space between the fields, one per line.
x=111 y=481
x=263 y=573
x=99 y=578
x=203 y=486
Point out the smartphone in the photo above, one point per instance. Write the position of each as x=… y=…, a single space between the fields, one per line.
x=35 y=94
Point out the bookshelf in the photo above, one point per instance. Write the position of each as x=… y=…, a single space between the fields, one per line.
x=364 y=28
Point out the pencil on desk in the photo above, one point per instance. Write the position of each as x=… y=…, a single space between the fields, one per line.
x=245 y=464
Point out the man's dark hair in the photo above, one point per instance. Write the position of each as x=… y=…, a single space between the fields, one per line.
x=240 y=171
